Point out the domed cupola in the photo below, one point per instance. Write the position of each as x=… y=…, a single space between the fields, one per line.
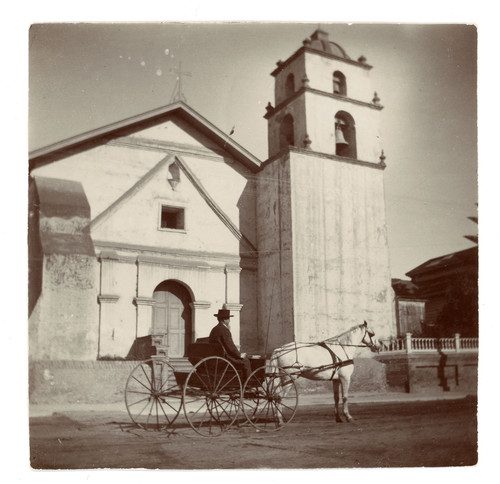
x=319 y=41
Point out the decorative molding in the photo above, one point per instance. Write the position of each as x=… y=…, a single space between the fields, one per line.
x=164 y=252
x=308 y=49
x=108 y=255
x=136 y=142
x=235 y=307
x=283 y=104
x=144 y=301
x=151 y=259
x=382 y=159
x=200 y=305
x=232 y=269
x=371 y=105
x=107 y=298
x=294 y=149
x=271 y=111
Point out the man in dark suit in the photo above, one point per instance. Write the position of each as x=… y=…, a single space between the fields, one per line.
x=221 y=335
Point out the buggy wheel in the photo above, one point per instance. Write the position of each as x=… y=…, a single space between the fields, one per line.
x=270 y=398
x=152 y=396
x=211 y=396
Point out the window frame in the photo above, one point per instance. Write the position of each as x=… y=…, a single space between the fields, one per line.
x=175 y=208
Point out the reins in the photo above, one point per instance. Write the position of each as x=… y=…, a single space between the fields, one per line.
x=334 y=340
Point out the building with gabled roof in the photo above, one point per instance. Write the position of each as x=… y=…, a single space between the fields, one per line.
x=437 y=277
x=163 y=196
x=141 y=230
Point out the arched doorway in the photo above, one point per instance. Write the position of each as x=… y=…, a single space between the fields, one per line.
x=172 y=315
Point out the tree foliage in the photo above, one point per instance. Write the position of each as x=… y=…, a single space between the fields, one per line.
x=460 y=313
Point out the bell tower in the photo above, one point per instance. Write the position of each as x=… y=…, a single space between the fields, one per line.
x=324 y=258
x=324 y=102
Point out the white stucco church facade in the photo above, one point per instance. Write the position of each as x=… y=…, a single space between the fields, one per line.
x=140 y=231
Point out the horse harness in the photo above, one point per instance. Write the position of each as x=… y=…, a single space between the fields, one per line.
x=335 y=365
x=336 y=361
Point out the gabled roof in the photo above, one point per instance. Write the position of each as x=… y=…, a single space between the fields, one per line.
x=225 y=219
x=104 y=134
x=446 y=261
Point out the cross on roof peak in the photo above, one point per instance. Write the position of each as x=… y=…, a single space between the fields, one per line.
x=177 y=94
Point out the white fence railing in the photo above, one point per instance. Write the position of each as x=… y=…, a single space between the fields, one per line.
x=408 y=344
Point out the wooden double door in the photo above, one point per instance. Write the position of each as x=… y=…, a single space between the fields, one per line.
x=172 y=316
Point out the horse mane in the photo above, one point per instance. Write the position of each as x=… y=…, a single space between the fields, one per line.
x=334 y=339
x=345 y=333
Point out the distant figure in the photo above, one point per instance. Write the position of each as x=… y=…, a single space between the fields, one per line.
x=443 y=380
x=221 y=335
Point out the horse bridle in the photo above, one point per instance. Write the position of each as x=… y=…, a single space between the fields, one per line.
x=369 y=343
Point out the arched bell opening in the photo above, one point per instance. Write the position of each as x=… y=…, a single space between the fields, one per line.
x=345 y=135
x=339 y=83
x=286 y=132
x=289 y=85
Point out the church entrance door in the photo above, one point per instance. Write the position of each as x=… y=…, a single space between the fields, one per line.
x=172 y=316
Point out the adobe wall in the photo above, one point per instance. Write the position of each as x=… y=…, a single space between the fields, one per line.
x=63 y=312
x=104 y=381
x=275 y=277
x=341 y=268
x=65 y=320
x=56 y=382
x=78 y=381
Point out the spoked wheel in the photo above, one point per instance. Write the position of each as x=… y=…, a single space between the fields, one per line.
x=211 y=396
x=152 y=396
x=270 y=398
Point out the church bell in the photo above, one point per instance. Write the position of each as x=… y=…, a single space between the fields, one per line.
x=339 y=136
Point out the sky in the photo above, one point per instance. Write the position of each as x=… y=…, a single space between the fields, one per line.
x=83 y=76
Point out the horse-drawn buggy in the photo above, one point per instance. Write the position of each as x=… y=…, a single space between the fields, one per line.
x=213 y=395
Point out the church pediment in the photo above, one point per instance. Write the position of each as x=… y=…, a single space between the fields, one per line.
x=171 y=206
x=157 y=127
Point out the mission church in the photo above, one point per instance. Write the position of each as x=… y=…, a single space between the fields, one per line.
x=141 y=230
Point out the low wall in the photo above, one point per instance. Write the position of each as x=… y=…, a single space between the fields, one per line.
x=78 y=381
x=104 y=381
x=424 y=372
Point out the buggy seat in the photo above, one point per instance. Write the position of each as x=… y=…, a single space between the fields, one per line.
x=199 y=350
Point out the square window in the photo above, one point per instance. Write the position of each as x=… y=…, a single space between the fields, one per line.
x=172 y=218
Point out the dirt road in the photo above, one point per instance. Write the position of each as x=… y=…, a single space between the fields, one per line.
x=409 y=434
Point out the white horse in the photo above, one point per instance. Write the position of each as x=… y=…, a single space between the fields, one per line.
x=331 y=359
